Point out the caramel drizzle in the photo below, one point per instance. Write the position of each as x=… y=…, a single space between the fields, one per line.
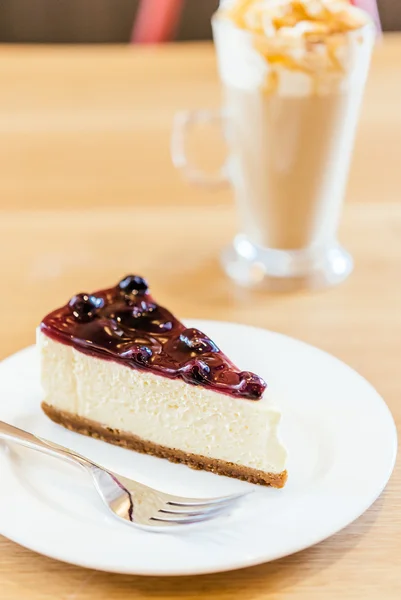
x=328 y=30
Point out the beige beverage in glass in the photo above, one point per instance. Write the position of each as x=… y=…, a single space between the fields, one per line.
x=293 y=76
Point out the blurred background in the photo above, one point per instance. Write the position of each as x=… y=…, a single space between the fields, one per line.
x=86 y=117
x=85 y=160
x=111 y=21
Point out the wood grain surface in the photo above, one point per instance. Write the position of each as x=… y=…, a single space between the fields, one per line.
x=90 y=126
x=87 y=194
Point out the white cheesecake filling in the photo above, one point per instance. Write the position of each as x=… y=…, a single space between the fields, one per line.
x=165 y=411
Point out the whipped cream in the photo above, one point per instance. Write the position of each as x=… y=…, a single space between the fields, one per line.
x=295 y=18
x=292 y=47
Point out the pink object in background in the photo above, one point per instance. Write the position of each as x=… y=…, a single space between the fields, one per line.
x=156 y=21
x=371 y=7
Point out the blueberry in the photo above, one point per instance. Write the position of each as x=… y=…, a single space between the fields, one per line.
x=251 y=385
x=195 y=340
x=84 y=306
x=133 y=285
x=139 y=354
x=195 y=371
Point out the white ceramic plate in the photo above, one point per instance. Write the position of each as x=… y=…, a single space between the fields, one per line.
x=340 y=436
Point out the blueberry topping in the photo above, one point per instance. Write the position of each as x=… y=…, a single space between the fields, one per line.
x=133 y=285
x=251 y=385
x=195 y=371
x=139 y=354
x=84 y=306
x=140 y=310
x=143 y=316
x=196 y=341
x=124 y=324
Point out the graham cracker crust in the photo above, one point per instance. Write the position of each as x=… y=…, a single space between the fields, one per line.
x=133 y=442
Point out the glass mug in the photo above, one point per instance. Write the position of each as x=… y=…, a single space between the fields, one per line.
x=290 y=137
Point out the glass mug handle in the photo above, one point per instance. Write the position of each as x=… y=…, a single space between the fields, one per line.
x=184 y=121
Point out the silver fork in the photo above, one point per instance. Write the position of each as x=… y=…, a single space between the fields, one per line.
x=130 y=501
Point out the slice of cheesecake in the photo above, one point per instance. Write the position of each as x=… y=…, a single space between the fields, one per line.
x=117 y=366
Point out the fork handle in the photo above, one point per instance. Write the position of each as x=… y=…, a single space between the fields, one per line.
x=9 y=433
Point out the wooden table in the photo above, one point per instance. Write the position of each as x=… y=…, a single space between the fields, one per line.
x=88 y=193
